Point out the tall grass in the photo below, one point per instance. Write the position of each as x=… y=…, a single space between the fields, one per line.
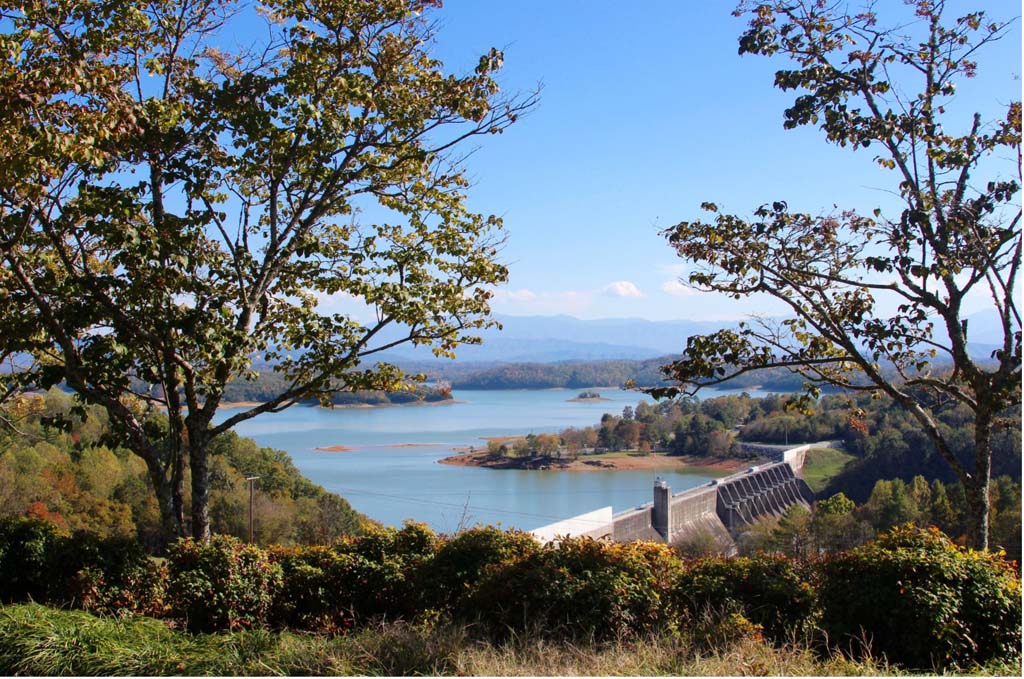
x=35 y=640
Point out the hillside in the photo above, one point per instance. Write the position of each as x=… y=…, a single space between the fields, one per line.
x=582 y=374
x=69 y=469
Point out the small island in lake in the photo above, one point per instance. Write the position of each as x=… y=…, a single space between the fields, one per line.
x=333 y=449
x=588 y=396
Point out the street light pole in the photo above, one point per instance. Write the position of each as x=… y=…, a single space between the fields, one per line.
x=252 y=495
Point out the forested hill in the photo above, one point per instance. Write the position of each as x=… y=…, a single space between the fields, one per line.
x=534 y=375
x=70 y=471
x=581 y=374
x=562 y=374
x=269 y=384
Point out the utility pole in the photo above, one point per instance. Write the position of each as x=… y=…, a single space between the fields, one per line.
x=252 y=496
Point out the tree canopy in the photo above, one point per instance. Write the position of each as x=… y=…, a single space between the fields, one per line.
x=874 y=299
x=173 y=207
x=76 y=478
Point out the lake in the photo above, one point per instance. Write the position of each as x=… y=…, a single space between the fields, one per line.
x=393 y=474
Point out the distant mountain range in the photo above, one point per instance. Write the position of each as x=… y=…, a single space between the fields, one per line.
x=553 y=339
x=549 y=339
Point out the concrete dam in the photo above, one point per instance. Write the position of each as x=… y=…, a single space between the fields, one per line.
x=720 y=510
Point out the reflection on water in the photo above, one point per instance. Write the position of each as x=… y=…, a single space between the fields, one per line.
x=390 y=481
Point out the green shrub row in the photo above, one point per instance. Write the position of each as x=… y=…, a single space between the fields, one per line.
x=103 y=575
x=913 y=595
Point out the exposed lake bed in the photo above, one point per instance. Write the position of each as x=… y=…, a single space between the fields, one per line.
x=600 y=462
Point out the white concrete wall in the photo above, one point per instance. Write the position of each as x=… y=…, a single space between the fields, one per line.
x=795 y=456
x=596 y=524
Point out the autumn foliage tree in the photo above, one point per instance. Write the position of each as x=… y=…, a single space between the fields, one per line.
x=887 y=90
x=173 y=207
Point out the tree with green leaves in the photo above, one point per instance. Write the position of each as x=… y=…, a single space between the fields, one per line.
x=957 y=231
x=180 y=207
x=44 y=129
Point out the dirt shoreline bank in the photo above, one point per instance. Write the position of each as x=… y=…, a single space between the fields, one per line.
x=716 y=465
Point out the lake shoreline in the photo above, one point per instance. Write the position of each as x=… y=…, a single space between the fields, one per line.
x=446 y=402
x=390 y=480
x=722 y=466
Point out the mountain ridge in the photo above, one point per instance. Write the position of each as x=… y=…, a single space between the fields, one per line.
x=551 y=339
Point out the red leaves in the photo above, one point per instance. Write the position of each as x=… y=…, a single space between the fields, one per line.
x=39 y=510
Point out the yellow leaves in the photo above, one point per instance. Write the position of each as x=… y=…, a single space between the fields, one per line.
x=1013 y=117
x=154 y=67
x=23 y=406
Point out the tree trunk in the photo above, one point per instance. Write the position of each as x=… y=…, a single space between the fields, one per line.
x=176 y=442
x=977 y=491
x=200 y=465
x=178 y=493
x=977 y=515
x=168 y=497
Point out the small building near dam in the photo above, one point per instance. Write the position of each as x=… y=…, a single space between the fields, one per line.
x=720 y=510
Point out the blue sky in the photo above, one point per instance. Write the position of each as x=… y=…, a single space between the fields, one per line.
x=646 y=111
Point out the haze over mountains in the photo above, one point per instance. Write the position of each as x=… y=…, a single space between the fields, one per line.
x=552 y=339
x=563 y=338
x=548 y=339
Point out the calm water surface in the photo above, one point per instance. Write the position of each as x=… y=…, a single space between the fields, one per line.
x=393 y=474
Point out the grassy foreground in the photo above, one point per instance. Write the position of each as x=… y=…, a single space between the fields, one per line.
x=36 y=640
